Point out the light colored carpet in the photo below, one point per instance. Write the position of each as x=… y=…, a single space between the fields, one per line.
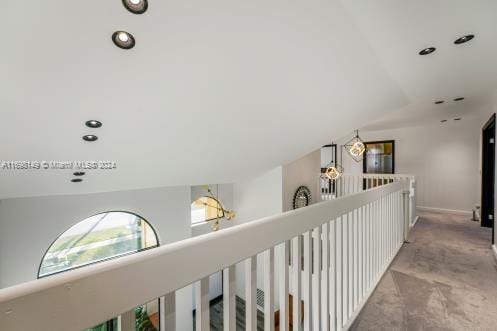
x=445 y=279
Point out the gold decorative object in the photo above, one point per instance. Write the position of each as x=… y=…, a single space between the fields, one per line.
x=221 y=211
x=333 y=169
x=334 y=172
x=355 y=147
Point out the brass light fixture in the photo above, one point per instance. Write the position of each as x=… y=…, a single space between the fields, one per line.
x=333 y=170
x=221 y=211
x=356 y=148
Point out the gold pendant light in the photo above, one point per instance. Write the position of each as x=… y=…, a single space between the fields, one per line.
x=333 y=170
x=356 y=148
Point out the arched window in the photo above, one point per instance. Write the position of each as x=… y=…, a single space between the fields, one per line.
x=98 y=238
x=206 y=209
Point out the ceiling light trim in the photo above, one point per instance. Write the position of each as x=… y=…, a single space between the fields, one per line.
x=427 y=51
x=94 y=124
x=464 y=39
x=123 y=39
x=138 y=8
x=90 y=137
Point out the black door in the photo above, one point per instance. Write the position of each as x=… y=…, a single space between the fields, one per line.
x=488 y=173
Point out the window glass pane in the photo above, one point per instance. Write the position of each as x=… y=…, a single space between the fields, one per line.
x=98 y=238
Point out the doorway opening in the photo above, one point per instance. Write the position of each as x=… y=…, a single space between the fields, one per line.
x=488 y=174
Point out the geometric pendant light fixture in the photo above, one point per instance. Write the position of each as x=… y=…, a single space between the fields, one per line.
x=356 y=148
x=333 y=170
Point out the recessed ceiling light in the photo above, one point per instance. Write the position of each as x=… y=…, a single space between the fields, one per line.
x=439 y=102
x=443 y=121
x=76 y=180
x=90 y=137
x=93 y=124
x=123 y=39
x=136 y=6
x=427 y=51
x=458 y=99
x=79 y=173
x=464 y=39
x=457 y=119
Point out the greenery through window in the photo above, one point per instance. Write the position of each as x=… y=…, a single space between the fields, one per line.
x=99 y=238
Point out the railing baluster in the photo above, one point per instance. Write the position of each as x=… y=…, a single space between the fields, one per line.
x=202 y=315
x=128 y=321
x=250 y=293
x=356 y=257
x=297 y=283
x=389 y=211
x=168 y=306
x=376 y=239
x=345 y=269
x=369 y=249
x=325 y=300
x=269 y=290
x=350 y=220
x=339 y=272
x=391 y=232
x=307 y=288
x=316 y=295
x=382 y=211
x=332 y=273
x=387 y=230
x=284 y=287
x=229 y=298
x=360 y=255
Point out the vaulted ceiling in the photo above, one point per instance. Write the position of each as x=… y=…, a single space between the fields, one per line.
x=221 y=90
x=398 y=30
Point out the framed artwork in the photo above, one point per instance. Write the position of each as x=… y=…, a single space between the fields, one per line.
x=380 y=157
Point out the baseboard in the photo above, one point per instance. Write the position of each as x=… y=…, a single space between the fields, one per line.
x=445 y=211
x=415 y=221
x=359 y=308
x=494 y=249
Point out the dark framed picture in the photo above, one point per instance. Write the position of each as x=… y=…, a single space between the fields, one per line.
x=380 y=157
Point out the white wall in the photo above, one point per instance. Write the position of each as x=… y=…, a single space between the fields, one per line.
x=28 y=226
x=254 y=199
x=443 y=156
x=304 y=171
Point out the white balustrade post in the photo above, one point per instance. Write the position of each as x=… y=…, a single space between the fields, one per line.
x=325 y=300
x=269 y=290
x=250 y=294
x=229 y=298
x=128 y=321
x=317 y=278
x=284 y=287
x=168 y=307
x=405 y=208
x=297 y=283
x=307 y=288
x=202 y=303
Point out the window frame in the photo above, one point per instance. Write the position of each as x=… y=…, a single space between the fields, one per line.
x=101 y=260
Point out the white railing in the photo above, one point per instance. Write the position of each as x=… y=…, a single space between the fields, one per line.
x=360 y=234
x=353 y=183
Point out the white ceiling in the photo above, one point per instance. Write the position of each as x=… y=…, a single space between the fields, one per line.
x=398 y=30
x=221 y=90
